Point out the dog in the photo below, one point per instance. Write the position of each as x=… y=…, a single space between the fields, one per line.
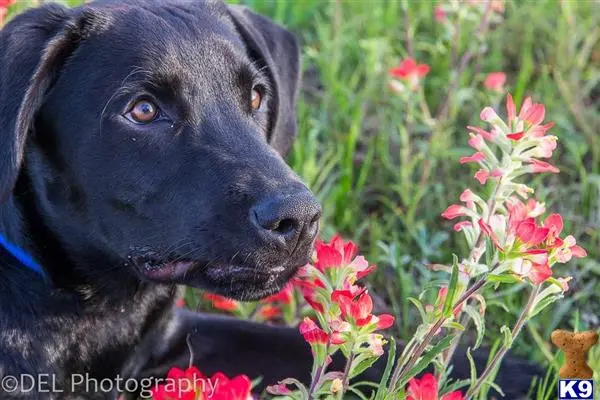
x=141 y=148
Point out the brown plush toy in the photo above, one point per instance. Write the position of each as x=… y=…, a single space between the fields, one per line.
x=575 y=346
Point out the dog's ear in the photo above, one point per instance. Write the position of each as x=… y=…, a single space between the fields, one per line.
x=275 y=48
x=34 y=46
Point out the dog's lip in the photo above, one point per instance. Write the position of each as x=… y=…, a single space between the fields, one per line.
x=177 y=270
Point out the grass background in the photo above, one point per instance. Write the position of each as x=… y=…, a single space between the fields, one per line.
x=384 y=177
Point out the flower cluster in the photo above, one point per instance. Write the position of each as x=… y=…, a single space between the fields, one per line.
x=344 y=316
x=527 y=246
x=191 y=384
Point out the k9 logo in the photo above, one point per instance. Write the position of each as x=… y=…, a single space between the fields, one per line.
x=575 y=389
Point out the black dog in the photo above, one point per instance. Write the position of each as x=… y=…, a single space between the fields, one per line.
x=140 y=148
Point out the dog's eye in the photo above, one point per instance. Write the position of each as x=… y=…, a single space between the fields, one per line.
x=143 y=112
x=255 y=99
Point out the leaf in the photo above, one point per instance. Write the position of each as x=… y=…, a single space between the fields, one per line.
x=472 y=368
x=503 y=278
x=382 y=389
x=419 y=306
x=479 y=323
x=539 y=307
x=449 y=303
x=427 y=357
x=508 y=339
x=362 y=363
x=454 y=325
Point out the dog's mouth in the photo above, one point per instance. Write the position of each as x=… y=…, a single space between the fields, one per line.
x=242 y=282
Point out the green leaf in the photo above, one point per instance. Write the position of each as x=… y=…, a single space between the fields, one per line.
x=472 y=368
x=382 y=389
x=479 y=323
x=362 y=363
x=454 y=325
x=427 y=358
x=507 y=336
x=503 y=278
x=449 y=303
x=539 y=307
x=420 y=307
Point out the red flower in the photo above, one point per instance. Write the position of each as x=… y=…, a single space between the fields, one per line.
x=426 y=388
x=312 y=333
x=180 y=303
x=7 y=3
x=356 y=306
x=537 y=166
x=238 y=388
x=477 y=157
x=487 y=229
x=483 y=175
x=410 y=71
x=454 y=211
x=284 y=296
x=269 y=312
x=495 y=81
x=183 y=385
x=530 y=233
x=408 y=68
x=221 y=303
x=439 y=14
x=334 y=254
x=539 y=273
x=309 y=288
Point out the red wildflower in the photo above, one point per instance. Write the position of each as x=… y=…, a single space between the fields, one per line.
x=530 y=233
x=495 y=81
x=284 y=296
x=537 y=166
x=439 y=13
x=426 y=388
x=334 y=254
x=477 y=157
x=238 y=388
x=180 y=303
x=410 y=71
x=358 y=307
x=539 y=273
x=312 y=333
x=454 y=211
x=269 y=312
x=459 y=226
x=483 y=175
x=221 y=303
x=309 y=287
x=487 y=229
x=184 y=385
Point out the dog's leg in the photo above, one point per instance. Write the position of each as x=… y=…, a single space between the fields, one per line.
x=232 y=346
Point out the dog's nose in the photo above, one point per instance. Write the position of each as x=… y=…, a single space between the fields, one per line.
x=287 y=219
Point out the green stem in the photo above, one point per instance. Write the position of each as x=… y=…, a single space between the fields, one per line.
x=473 y=390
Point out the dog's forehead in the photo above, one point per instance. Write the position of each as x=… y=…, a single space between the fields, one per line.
x=172 y=37
x=192 y=48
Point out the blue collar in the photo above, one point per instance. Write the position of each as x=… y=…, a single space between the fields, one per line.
x=22 y=256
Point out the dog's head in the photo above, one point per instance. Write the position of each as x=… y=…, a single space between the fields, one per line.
x=148 y=136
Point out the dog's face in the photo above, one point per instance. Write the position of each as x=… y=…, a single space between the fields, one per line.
x=151 y=135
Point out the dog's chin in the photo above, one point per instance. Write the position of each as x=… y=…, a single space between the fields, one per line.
x=239 y=282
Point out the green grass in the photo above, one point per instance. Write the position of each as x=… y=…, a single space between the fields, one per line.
x=384 y=177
